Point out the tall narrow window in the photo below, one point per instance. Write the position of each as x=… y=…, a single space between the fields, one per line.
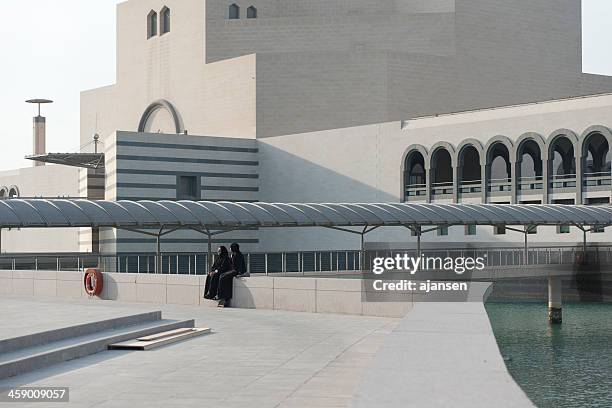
x=152 y=24
x=252 y=12
x=234 y=12
x=165 y=20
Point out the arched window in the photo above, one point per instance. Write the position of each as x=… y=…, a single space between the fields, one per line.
x=469 y=166
x=234 y=12
x=597 y=160
x=252 y=12
x=530 y=161
x=441 y=167
x=563 y=162
x=152 y=24
x=13 y=192
x=165 y=20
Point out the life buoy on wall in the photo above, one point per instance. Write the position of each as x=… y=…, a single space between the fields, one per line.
x=93 y=282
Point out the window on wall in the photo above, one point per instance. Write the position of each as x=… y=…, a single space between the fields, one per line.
x=252 y=12
x=165 y=20
x=470 y=230
x=234 y=12
x=563 y=229
x=442 y=231
x=152 y=24
x=188 y=188
x=499 y=230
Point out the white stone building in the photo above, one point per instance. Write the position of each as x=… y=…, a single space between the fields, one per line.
x=348 y=101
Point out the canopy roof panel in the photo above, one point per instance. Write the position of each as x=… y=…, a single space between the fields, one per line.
x=56 y=213
x=85 y=160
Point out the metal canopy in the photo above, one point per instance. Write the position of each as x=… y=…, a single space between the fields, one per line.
x=85 y=160
x=57 y=213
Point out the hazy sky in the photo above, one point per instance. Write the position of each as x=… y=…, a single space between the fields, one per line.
x=56 y=48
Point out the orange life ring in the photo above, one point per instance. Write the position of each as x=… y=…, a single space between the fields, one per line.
x=93 y=282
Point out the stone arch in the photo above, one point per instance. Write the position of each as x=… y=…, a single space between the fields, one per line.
x=407 y=168
x=502 y=148
x=445 y=174
x=13 y=192
x=415 y=148
x=4 y=192
x=527 y=139
x=551 y=143
x=473 y=173
x=499 y=139
x=154 y=107
x=584 y=142
x=451 y=149
x=529 y=136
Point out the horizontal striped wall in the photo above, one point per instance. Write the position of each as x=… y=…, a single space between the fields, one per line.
x=145 y=166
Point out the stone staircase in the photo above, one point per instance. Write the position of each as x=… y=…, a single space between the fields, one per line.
x=23 y=354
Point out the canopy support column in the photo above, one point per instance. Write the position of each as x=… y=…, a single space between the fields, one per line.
x=366 y=230
x=158 y=257
x=209 y=256
x=362 y=251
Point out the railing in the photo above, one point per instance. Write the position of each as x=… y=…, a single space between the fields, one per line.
x=597 y=179
x=442 y=189
x=291 y=262
x=500 y=185
x=563 y=181
x=470 y=187
x=416 y=190
x=531 y=183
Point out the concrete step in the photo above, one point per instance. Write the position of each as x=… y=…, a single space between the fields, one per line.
x=38 y=339
x=33 y=358
x=162 y=339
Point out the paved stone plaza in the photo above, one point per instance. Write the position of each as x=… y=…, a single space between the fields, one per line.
x=440 y=354
x=253 y=358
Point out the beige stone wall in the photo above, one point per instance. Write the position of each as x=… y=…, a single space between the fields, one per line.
x=314 y=295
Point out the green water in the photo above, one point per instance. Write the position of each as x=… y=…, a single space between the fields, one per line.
x=569 y=365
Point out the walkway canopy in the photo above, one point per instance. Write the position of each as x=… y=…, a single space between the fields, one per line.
x=170 y=215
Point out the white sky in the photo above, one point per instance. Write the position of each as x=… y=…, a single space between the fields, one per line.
x=56 y=48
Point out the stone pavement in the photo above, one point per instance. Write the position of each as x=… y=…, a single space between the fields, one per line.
x=254 y=358
x=440 y=355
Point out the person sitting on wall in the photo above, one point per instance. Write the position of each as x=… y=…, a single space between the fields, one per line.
x=222 y=265
x=226 y=284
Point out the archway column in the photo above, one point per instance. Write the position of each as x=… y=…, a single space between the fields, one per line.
x=427 y=181
x=485 y=170
x=579 y=173
x=545 y=177
x=455 y=183
x=513 y=179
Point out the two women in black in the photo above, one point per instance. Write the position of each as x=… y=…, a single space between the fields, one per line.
x=219 y=282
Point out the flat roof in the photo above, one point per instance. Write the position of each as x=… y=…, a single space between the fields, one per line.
x=64 y=213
